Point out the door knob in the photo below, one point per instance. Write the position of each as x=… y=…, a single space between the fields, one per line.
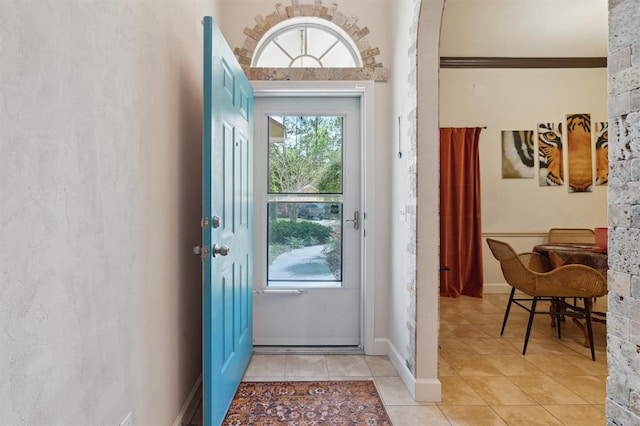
x=197 y=250
x=221 y=250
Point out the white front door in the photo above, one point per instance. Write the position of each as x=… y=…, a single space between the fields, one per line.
x=308 y=221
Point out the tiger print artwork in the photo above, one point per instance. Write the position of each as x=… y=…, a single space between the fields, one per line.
x=602 y=153
x=550 y=154
x=580 y=166
x=517 y=154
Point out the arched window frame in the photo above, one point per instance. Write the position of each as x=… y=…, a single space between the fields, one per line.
x=304 y=23
x=370 y=69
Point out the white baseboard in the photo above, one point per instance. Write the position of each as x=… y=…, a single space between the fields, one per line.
x=428 y=390
x=488 y=288
x=422 y=390
x=190 y=405
x=379 y=347
x=400 y=365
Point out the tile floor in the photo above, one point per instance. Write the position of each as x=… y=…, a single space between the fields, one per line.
x=485 y=379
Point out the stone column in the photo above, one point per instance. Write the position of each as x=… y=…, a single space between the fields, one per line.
x=623 y=320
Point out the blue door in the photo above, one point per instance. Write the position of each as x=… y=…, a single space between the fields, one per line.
x=227 y=224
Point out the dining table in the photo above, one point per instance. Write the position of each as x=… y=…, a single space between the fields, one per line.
x=560 y=254
x=566 y=253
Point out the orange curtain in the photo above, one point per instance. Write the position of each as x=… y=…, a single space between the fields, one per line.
x=460 y=225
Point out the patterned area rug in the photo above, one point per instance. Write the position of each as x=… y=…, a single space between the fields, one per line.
x=353 y=402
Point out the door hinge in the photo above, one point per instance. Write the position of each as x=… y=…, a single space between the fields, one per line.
x=205 y=252
x=204 y=222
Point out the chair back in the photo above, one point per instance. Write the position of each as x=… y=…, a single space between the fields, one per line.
x=514 y=270
x=571 y=235
x=565 y=281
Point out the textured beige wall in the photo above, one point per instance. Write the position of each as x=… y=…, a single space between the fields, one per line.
x=100 y=130
x=545 y=28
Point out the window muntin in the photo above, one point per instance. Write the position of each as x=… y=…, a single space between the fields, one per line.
x=306 y=42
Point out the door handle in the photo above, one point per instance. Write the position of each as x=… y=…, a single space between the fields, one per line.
x=221 y=250
x=355 y=220
x=283 y=291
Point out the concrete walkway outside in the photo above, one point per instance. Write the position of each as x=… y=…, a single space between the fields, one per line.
x=307 y=263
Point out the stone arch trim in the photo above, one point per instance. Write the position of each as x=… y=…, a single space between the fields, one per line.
x=371 y=69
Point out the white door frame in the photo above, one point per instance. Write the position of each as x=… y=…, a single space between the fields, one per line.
x=364 y=90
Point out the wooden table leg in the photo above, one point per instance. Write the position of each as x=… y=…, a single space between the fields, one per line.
x=553 y=309
x=582 y=326
x=584 y=331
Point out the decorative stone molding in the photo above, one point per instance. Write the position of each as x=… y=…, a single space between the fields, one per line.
x=377 y=74
x=371 y=70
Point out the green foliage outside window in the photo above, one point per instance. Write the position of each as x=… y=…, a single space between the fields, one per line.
x=309 y=157
x=286 y=235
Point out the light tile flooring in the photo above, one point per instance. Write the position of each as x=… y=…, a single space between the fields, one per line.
x=485 y=379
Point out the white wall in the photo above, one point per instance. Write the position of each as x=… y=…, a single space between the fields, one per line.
x=402 y=226
x=100 y=130
x=428 y=216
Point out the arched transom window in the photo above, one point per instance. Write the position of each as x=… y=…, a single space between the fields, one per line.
x=309 y=41
x=306 y=42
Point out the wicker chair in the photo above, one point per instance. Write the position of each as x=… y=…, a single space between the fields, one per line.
x=571 y=235
x=531 y=274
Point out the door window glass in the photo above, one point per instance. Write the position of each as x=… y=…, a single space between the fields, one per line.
x=304 y=201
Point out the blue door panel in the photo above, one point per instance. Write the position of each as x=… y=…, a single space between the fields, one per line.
x=228 y=348
x=227 y=195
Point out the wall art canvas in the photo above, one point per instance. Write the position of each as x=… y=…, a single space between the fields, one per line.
x=517 y=154
x=580 y=166
x=550 y=154
x=602 y=152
